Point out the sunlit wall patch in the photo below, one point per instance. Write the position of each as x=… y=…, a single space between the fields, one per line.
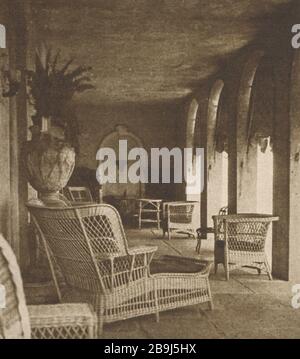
x=2 y=37
x=2 y=297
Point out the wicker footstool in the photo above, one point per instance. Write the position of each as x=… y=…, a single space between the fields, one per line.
x=181 y=281
x=62 y=321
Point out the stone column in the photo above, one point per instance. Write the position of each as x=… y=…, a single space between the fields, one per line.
x=17 y=213
x=286 y=241
x=5 y=220
x=294 y=188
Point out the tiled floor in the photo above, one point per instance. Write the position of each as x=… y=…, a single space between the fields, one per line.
x=247 y=306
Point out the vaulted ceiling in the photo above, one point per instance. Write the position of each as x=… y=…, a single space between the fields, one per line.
x=150 y=50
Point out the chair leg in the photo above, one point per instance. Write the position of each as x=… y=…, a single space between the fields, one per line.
x=210 y=303
x=198 y=247
x=100 y=326
x=157 y=317
x=268 y=269
x=226 y=267
x=140 y=215
x=100 y=321
x=226 y=262
x=158 y=220
x=216 y=268
x=227 y=274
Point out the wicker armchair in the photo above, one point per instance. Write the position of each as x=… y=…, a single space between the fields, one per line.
x=181 y=217
x=78 y=194
x=89 y=245
x=240 y=241
x=56 y=321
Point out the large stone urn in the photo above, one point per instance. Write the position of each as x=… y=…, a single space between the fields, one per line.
x=50 y=162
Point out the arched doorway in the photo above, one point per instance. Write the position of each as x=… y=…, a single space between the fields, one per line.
x=260 y=135
x=190 y=143
x=254 y=137
x=122 y=190
x=246 y=153
x=217 y=157
x=265 y=188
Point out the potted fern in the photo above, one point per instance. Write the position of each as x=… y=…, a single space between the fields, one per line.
x=51 y=152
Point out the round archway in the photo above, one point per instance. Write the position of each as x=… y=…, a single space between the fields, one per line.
x=190 y=143
x=217 y=157
x=122 y=190
x=246 y=196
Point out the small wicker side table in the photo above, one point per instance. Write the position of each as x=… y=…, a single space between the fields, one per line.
x=148 y=205
x=62 y=321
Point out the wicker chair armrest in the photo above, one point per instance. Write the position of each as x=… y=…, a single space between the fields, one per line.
x=147 y=252
x=57 y=321
x=106 y=256
x=142 y=250
x=131 y=251
x=126 y=268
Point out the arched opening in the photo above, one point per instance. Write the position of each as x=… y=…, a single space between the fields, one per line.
x=2 y=37
x=265 y=188
x=260 y=138
x=217 y=157
x=246 y=151
x=118 y=189
x=224 y=187
x=191 y=122
x=190 y=143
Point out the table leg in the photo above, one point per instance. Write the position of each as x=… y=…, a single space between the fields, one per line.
x=140 y=215
x=198 y=247
x=158 y=216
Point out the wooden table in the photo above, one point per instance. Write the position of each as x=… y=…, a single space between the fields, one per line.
x=149 y=205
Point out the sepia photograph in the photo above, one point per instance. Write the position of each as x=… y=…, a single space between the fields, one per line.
x=150 y=172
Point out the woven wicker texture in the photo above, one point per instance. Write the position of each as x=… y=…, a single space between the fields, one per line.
x=240 y=241
x=78 y=194
x=42 y=321
x=89 y=245
x=181 y=217
x=14 y=318
x=62 y=321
